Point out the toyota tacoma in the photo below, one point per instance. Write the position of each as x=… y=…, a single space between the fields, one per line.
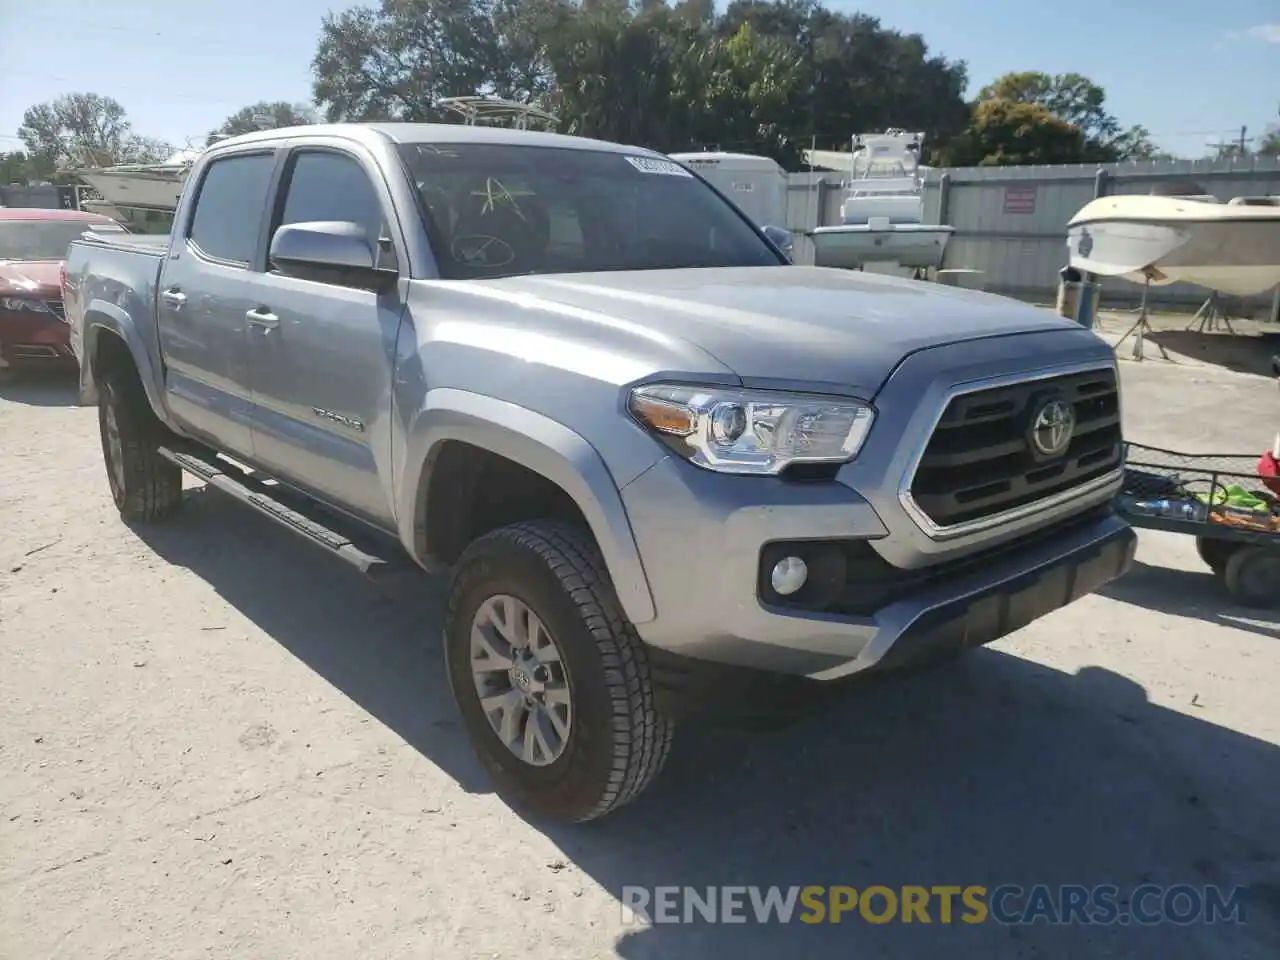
x=667 y=468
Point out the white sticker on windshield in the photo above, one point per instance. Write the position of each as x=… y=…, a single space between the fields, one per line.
x=664 y=168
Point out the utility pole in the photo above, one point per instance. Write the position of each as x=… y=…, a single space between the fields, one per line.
x=1234 y=148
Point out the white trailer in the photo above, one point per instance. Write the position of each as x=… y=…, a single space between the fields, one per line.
x=756 y=184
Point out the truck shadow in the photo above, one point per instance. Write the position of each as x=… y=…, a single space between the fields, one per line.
x=378 y=644
x=40 y=388
x=1194 y=594
x=1240 y=352
x=991 y=770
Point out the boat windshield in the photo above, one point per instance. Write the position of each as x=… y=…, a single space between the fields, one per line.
x=44 y=239
x=502 y=209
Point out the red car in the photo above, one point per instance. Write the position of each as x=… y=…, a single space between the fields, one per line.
x=33 y=246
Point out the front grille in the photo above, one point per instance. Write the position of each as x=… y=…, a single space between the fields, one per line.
x=57 y=308
x=980 y=460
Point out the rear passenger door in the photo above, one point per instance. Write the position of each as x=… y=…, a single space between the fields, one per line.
x=204 y=295
x=322 y=370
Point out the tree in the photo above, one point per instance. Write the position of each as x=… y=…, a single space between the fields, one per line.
x=858 y=76
x=751 y=87
x=1010 y=132
x=395 y=62
x=628 y=76
x=1080 y=102
x=16 y=167
x=524 y=32
x=666 y=76
x=84 y=129
x=1269 y=145
x=264 y=115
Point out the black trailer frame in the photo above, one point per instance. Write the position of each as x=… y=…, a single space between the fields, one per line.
x=1247 y=561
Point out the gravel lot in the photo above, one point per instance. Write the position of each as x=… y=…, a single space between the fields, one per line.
x=218 y=742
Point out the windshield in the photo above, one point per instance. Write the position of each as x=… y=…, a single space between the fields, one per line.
x=502 y=209
x=44 y=239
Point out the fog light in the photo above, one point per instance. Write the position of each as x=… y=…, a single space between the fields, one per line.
x=789 y=575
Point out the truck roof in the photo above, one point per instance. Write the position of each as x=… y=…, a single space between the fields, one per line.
x=432 y=133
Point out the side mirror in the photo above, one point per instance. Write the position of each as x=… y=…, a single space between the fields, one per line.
x=329 y=251
x=780 y=238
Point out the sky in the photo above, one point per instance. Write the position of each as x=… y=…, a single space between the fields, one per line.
x=1191 y=72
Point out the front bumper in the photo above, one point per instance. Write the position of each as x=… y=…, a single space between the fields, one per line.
x=702 y=552
x=30 y=338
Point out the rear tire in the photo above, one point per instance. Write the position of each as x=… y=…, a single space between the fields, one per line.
x=611 y=740
x=144 y=485
x=1215 y=553
x=1252 y=577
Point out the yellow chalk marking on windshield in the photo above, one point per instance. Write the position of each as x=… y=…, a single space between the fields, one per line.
x=495 y=192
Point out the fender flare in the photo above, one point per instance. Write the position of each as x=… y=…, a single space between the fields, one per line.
x=102 y=316
x=540 y=444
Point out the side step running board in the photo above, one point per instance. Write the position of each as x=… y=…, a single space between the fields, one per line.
x=252 y=492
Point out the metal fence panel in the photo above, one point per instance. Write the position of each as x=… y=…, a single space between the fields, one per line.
x=1011 y=221
x=43 y=197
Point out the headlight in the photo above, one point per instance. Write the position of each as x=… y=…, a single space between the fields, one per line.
x=752 y=431
x=18 y=304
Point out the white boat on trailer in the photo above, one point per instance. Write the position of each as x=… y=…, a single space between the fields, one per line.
x=1231 y=248
x=882 y=214
x=141 y=186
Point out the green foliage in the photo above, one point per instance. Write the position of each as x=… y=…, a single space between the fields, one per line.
x=395 y=62
x=1011 y=132
x=763 y=77
x=264 y=115
x=1269 y=145
x=1078 y=101
x=83 y=129
x=16 y=167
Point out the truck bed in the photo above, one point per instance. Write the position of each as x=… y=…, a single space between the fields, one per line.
x=113 y=273
x=153 y=244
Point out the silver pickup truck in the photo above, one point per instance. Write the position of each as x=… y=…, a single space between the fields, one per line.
x=673 y=474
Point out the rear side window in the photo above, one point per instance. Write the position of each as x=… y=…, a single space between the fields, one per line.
x=331 y=186
x=233 y=196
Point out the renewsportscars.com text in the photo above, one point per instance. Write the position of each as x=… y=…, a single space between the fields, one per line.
x=1008 y=904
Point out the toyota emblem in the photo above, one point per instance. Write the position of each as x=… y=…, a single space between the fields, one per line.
x=1052 y=428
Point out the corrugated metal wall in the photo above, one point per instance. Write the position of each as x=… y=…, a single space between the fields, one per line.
x=44 y=196
x=813 y=200
x=1011 y=221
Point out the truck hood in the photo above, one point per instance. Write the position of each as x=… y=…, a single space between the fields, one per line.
x=840 y=329
x=33 y=278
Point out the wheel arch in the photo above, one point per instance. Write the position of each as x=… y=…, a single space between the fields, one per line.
x=529 y=441
x=111 y=336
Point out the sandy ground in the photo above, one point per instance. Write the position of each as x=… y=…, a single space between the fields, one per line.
x=216 y=742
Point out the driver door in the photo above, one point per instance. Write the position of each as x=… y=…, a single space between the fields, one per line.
x=323 y=353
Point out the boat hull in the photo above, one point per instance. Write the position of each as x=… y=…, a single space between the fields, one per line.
x=1234 y=250
x=135 y=189
x=852 y=245
x=857 y=210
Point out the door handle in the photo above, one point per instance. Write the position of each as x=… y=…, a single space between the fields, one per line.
x=261 y=317
x=174 y=297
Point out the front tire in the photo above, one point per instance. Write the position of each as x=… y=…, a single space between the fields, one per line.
x=552 y=682
x=144 y=485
